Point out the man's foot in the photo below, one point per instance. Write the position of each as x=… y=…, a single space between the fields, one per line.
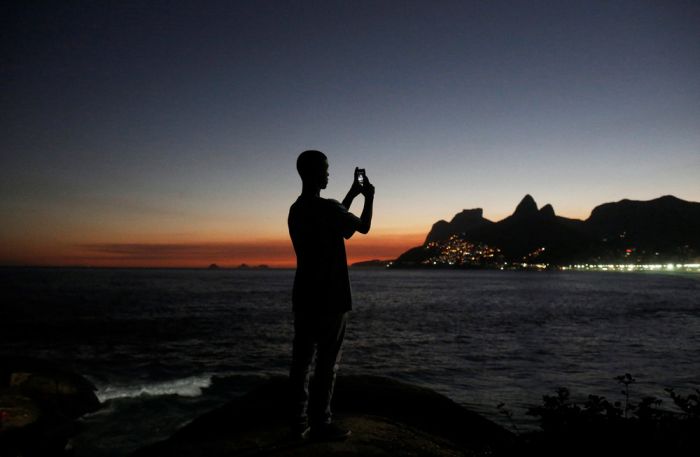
x=300 y=431
x=330 y=432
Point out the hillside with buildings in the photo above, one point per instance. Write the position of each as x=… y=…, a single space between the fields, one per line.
x=628 y=232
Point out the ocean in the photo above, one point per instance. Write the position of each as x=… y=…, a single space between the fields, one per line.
x=165 y=345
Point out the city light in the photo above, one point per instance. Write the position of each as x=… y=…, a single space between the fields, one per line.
x=456 y=251
x=678 y=267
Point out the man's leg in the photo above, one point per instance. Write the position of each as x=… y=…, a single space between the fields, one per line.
x=302 y=356
x=331 y=333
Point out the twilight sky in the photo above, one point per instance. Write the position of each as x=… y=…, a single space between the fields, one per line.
x=166 y=133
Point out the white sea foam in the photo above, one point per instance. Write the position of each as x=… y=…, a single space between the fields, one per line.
x=185 y=387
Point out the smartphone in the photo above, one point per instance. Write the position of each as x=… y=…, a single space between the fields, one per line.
x=361 y=176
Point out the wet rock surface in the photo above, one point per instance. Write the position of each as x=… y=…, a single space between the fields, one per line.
x=386 y=417
x=39 y=403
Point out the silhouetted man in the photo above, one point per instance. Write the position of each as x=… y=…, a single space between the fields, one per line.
x=321 y=298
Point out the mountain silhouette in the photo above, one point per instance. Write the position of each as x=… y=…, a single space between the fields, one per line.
x=667 y=225
x=663 y=229
x=527 y=208
x=466 y=221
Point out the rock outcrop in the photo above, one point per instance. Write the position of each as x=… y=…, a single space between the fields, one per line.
x=39 y=403
x=464 y=222
x=526 y=208
x=387 y=418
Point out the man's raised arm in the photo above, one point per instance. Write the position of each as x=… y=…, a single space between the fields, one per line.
x=350 y=223
x=366 y=216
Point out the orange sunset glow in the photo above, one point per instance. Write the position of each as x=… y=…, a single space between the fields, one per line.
x=275 y=253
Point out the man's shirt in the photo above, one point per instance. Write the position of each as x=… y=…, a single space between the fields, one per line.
x=318 y=227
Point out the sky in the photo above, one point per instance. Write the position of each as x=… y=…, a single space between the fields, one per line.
x=166 y=133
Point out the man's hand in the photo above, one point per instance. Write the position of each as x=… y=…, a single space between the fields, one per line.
x=367 y=189
x=356 y=188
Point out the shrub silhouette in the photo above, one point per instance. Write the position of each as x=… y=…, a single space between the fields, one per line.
x=598 y=425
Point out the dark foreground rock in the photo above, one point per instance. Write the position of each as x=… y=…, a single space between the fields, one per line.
x=39 y=403
x=387 y=418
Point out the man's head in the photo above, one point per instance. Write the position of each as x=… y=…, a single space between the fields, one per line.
x=313 y=168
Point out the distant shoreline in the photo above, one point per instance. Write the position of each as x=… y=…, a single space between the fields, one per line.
x=557 y=269
x=102 y=267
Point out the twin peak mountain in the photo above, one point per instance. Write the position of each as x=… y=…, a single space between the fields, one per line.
x=660 y=230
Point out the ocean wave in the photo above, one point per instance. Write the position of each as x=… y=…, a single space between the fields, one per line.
x=184 y=387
